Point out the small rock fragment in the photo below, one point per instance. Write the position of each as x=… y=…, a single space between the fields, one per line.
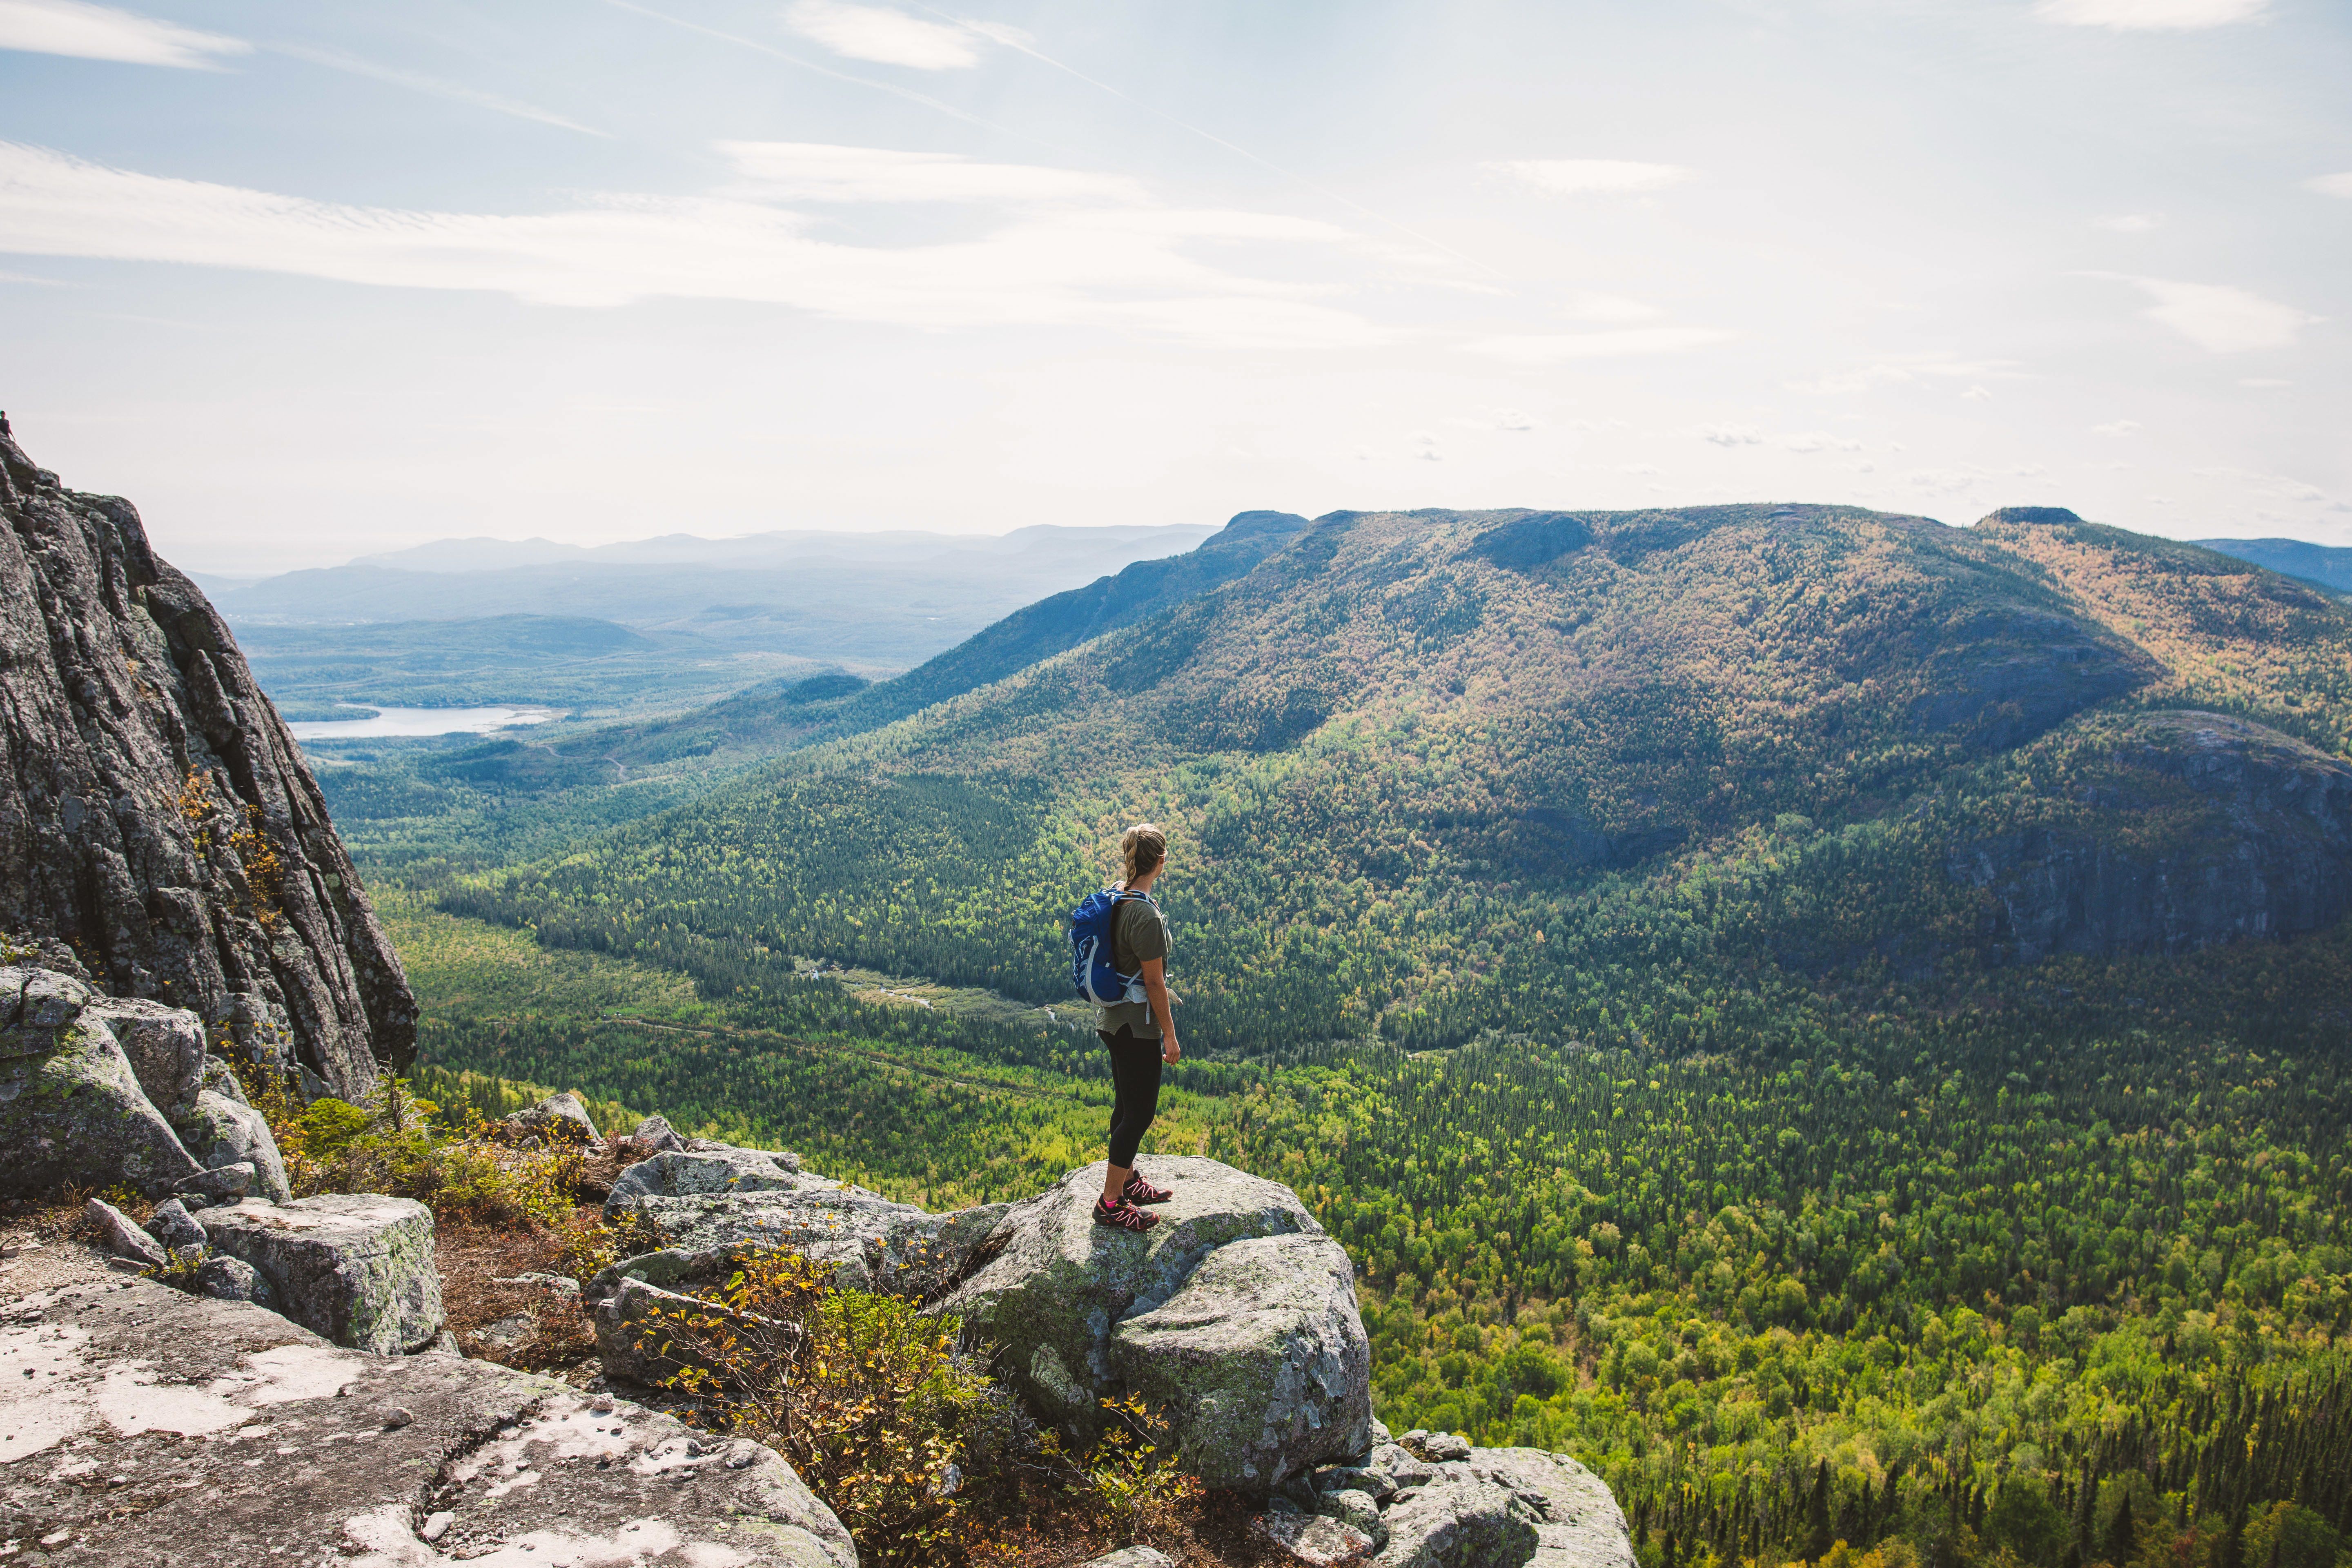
x=171 y=1226
x=1358 y=1509
x=226 y=1184
x=125 y=1239
x=1315 y=1541
x=436 y=1526
x=656 y=1134
x=1446 y=1446
x=232 y=1279
x=397 y=1418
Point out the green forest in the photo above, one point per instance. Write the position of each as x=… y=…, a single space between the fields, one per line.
x=1724 y=975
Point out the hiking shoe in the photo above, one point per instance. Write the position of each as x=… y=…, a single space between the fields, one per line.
x=1139 y=1190
x=1125 y=1215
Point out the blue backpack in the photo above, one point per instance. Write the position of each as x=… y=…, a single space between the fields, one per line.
x=1090 y=949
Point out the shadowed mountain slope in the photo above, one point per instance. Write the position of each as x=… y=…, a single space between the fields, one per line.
x=1670 y=777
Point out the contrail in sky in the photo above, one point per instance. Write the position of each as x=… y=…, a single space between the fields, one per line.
x=789 y=59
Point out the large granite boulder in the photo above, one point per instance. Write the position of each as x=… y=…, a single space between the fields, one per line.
x=1262 y=1351
x=1580 y=1525
x=107 y=1091
x=156 y=817
x=354 y=1268
x=71 y=1108
x=404 y=1461
x=1053 y=1290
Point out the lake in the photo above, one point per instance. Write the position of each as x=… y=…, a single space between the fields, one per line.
x=419 y=722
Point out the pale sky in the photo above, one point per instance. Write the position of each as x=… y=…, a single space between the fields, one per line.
x=313 y=281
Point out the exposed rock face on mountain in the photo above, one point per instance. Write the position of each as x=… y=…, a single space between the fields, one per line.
x=156 y=819
x=2186 y=830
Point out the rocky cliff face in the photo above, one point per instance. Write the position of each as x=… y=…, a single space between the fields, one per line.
x=2188 y=829
x=156 y=818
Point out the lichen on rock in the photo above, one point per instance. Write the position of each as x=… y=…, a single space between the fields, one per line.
x=161 y=824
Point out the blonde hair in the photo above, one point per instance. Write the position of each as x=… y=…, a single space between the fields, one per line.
x=1142 y=848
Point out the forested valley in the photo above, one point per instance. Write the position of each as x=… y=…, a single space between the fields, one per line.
x=1838 y=1022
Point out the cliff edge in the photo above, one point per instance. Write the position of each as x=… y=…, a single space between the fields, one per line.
x=157 y=822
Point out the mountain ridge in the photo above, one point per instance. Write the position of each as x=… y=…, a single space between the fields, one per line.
x=1399 y=730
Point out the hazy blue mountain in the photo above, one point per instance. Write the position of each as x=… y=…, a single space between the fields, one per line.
x=2329 y=565
x=709 y=615
x=797 y=709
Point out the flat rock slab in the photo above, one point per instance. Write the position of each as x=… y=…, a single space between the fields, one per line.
x=868 y=1241
x=713 y=1168
x=355 y=1269
x=160 y=1428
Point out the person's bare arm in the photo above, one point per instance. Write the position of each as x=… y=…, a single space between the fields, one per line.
x=1155 y=986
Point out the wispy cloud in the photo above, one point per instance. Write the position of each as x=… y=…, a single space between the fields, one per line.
x=2138 y=15
x=2217 y=316
x=2116 y=427
x=1816 y=441
x=103 y=33
x=817 y=172
x=1554 y=348
x=432 y=86
x=1590 y=176
x=884 y=35
x=1732 y=434
x=2331 y=184
x=1910 y=371
x=1103 y=265
x=1608 y=309
x=2129 y=222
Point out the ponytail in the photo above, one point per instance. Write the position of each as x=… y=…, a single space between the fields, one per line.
x=1142 y=848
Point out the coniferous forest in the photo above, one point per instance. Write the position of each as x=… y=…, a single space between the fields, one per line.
x=1839 y=1021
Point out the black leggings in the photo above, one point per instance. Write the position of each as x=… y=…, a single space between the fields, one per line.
x=1135 y=1081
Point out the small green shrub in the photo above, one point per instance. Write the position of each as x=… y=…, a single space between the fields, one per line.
x=400 y=1145
x=871 y=1402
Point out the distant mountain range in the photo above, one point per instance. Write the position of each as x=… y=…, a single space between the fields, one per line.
x=2328 y=565
x=652 y=624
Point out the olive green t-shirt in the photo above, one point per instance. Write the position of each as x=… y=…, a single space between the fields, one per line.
x=1138 y=932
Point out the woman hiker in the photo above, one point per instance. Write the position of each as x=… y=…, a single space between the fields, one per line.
x=1139 y=1035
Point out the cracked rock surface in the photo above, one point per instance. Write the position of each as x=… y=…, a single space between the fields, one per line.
x=158 y=825
x=139 y=1425
x=1475 y=1508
